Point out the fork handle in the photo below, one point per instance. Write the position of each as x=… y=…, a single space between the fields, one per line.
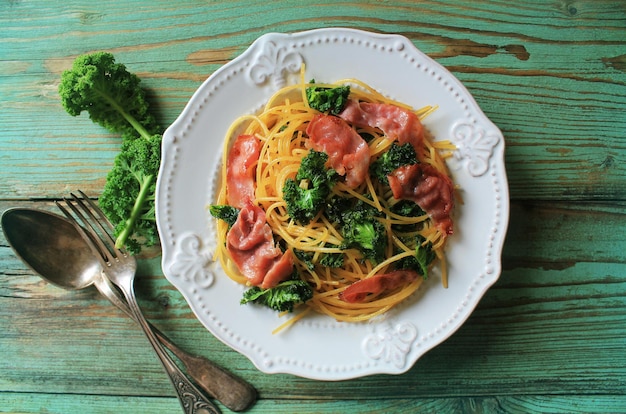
x=224 y=386
x=232 y=391
x=191 y=398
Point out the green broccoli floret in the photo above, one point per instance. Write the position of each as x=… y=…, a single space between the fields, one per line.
x=114 y=99
x=225 y=212
x=359 y=227
x=396 y=156
x=305 y=196
x=424 y=255
x=328 y=100
x=283 y=297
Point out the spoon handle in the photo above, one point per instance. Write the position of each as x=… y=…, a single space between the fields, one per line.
x=191 y=399
x=230 y=390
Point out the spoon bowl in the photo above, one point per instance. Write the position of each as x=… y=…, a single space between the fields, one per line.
x=51 y=246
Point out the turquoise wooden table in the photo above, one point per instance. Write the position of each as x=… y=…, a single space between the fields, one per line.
x=550 y=336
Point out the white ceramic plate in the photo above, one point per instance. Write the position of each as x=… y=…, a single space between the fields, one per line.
x=319 y=347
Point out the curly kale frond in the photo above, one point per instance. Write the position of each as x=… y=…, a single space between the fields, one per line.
x=306 y=195
x=128 y=195
x=398 y=155
x=368 y=236
x=313 y=168
x=225 y=212
x=114 y=99
x=359 y=227
x=407 y=208
x=305 y=257
x=420 y=262
x=328 y=100
x=283 y=297
x=303 y=204
x=110 y=94
x=335 y=207
x=333 y=260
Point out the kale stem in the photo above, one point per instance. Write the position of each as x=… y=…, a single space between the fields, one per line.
x=128 y=117
x=144 y=189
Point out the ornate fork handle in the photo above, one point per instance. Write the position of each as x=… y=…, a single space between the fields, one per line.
x=119 y=267
x=230 y=390
x=191 y=399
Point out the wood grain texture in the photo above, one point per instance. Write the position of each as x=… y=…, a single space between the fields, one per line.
x=550 y=335
x=558 y=64
x=548 y=327
x=61 y=404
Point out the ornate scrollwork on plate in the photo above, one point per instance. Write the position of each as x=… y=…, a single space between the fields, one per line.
x=475 y=146
x=390 y=344
x=275 y=63
x=192 y=260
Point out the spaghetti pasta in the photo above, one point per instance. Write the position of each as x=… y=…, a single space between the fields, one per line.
x=281 y=127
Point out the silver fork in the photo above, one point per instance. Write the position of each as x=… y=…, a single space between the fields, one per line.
x=120 y=267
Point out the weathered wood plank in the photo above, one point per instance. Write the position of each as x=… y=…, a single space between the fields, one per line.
x=61 y=404
x=559 y=303
x=558 y=235
x=573 y=148
x=548 y=337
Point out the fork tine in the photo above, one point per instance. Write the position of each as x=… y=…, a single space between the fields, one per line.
x=98 y=210
x=107 y=237
x=88 y=234
x=101 y=221
x=90 y=213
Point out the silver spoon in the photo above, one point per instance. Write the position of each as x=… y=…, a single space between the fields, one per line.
x=50 y=245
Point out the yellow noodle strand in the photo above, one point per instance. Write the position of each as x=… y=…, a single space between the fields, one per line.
x=281 y=128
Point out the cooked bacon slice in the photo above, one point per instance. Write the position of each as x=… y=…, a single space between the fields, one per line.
x=397 y=123
x=251 y=246
x=359 y=291
x=280 y=270
x=241 y=170
x=348 y=153
x=430 y=189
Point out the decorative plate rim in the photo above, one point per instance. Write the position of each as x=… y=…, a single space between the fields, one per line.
x=187 y=182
